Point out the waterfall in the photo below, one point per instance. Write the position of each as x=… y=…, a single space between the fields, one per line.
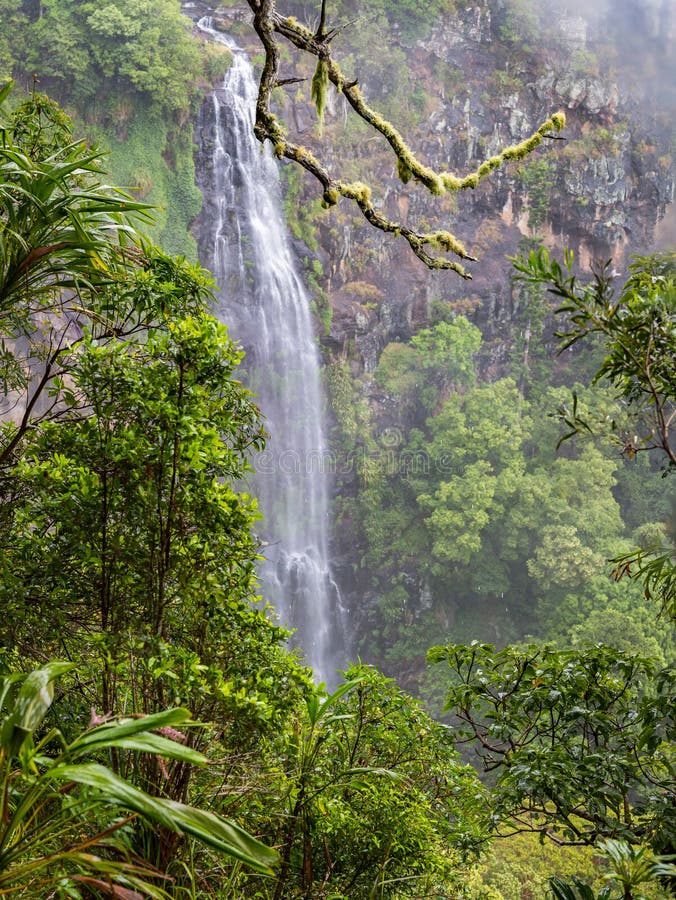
x=262 y=299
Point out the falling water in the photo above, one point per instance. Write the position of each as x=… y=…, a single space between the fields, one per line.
x=243 y=240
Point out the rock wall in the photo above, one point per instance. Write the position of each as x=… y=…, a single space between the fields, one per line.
x=476 y=82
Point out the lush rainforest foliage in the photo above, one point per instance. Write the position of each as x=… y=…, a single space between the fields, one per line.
x=519 y=508
x=127 y=550
x=474 y=522
x=157 y=737
x=130 y=72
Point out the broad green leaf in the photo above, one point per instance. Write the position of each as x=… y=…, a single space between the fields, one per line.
x=5 y=91
x=109 y=733
x=205 y=826
x=155 y=744
x=6 y=684
x=223 y=835
x=33 y=700
x=334 y=698
x=114 y=788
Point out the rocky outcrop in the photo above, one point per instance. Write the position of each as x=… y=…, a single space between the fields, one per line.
x=602 y=191
x=473 y=84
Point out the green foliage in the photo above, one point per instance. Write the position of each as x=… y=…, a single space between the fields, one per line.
x=62 y=229
x=124 y=542
x=321 y=302
x=625 y=623
x=502 y=82
x=65 y=820
x=637 y=329
x=448 y=351
x=531 y=354
x=300 y=217
x=123 y=537
x=572 y=736
x=537 y=176
x=62 y=242
x=638 y=334
x=15 y=21
x=370 y=799
x=459 y=510
x=471 y=523
x=436 y=360
x=478 y=471
x=655 y=568
x=89 y=52
x=519 y=26
x=139 y=160
x=344 y=402
x=596 y=143
x=130 y=531
x=521 y=866
x=415 y=19
x=584 y=63
x=631 y=868
x=576 y=890
x=130 y=71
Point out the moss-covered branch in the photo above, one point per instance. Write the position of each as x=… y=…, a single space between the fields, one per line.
x=432 y=248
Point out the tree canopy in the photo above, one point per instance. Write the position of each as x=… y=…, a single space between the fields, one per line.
x=637 y=331
x=581 y=741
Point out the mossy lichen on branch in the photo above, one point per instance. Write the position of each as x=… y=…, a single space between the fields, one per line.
x=268 y=25
x=320 y=86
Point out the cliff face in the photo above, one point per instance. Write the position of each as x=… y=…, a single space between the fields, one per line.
x=473 y=83
x=602 y=192
x=477 y=81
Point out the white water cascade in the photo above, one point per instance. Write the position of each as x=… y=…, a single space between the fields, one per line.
x=243 y=240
